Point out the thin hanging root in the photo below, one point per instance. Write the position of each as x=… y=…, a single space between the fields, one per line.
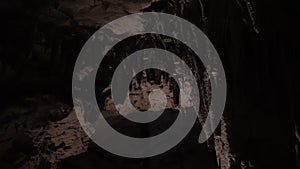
x=202 y=8
x=251 y=13
x=202 y=13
